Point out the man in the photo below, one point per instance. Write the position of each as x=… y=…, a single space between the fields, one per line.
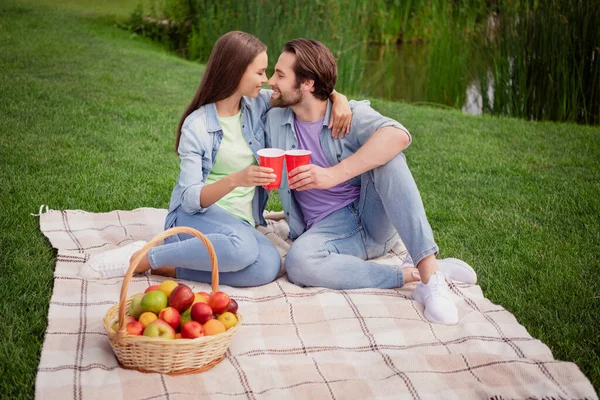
x=357 y=196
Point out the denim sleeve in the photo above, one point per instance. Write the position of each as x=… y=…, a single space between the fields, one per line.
x=269 y=119
x=191 y=174
x=265 y=95
x=365 y=121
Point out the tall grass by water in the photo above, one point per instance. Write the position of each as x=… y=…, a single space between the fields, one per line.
x=529 y=59
x=546 y=64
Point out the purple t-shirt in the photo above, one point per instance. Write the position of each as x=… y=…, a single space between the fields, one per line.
x=316 y=204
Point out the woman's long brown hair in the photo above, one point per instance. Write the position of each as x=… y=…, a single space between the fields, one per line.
x=230 y=56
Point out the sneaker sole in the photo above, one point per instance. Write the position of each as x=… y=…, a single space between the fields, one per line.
x=465 y=266
x=432 y=320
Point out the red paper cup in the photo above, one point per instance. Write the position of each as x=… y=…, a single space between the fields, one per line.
x=296 y=158
x=272 y=158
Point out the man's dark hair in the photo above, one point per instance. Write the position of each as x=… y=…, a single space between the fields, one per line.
x=314 y=61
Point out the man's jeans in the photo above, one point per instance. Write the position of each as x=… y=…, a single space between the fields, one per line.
x=333 y=251
x=245 y=256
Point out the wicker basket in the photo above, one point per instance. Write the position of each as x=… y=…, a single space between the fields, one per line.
x=173 y=357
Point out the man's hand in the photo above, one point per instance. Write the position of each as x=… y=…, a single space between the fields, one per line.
x=341 y=116
x=311 y=176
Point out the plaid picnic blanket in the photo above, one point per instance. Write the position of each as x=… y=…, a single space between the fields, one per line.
x=295 y=343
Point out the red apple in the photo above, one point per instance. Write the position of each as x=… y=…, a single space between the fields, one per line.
x=128 y=319
x=181 y=298
x=201 y=312
x=151 y=288
x=233 y=306
x=160 y=329
x=171 y=316
x=135 y=328
x=219 y=302
x=192 y=330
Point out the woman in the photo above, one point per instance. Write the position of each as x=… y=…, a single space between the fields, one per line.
x=219 y=190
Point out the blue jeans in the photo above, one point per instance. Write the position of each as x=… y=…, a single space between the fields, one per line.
x=334 y=252
x=245 y=256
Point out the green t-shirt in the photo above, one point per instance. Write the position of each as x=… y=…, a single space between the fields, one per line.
x=234 y=155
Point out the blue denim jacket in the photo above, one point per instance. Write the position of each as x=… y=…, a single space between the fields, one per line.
x=201 y=136
x=280 y=131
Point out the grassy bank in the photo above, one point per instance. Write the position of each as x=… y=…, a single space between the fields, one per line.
x=88 y=118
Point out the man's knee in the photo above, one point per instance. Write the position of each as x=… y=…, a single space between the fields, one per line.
x=395 y=165
x=301 y=265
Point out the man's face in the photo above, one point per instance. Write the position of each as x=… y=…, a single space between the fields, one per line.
x=286 y=92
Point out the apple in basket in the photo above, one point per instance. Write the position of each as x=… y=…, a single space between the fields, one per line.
x=219 y=302
x=181 y=298
x=233 y=306
x=154 y=301
x=205 y=295
x=160 y=329
x=171 y=316
x=135 y=328
x=186 y=316
x=128 y=319
x=151 y=288
x=135 y=307
x=228 y=319
x=198 y=298
x=201 y=312
x=192 y=330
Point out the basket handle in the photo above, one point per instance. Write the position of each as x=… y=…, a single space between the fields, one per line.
x=144 y=251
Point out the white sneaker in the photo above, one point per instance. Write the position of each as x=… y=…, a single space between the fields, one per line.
x=457 y=270
x=434 y=296
x=110 y=264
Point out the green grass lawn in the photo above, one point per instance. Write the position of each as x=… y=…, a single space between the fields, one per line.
x=88 y=116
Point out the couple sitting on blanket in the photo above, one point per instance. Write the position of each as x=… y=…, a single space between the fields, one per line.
x=350 y=205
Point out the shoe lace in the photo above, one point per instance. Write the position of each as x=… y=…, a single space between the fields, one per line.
x=437 y=287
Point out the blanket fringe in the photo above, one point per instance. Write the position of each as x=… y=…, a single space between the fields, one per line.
x=41 y=211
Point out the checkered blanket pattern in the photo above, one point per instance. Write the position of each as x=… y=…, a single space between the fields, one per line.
x=295 y=343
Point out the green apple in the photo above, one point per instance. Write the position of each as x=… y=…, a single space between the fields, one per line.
x=186 y=316
x=160 y=329
x=154 y=301
x=135 y=307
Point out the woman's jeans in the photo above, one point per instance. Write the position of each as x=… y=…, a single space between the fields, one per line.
x=333 y=252
x=245 y=256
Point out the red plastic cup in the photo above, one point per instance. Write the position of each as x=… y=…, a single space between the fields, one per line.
x=272 y=158
x=296 y=158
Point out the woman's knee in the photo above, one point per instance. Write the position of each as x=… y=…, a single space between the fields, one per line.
x=268 y=265
x=241 y=250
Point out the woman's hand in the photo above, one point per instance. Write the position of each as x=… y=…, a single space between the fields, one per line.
x=253 y=176
x=341 y=116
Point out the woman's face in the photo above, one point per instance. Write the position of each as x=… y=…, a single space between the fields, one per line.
x=255 y=76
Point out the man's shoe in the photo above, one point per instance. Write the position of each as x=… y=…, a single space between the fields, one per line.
x=457 y=270
x=110 y=264
x=435 y=297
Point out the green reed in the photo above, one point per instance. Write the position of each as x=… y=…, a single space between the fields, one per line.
x=531 y=59
x=546 y=62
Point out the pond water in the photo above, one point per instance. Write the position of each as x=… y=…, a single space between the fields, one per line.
x=405 y=73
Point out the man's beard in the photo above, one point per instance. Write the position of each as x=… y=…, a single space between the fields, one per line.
x=291 y=99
